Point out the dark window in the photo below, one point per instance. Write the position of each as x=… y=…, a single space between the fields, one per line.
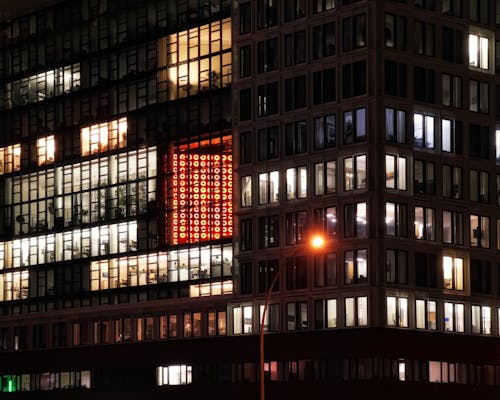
x=267 y=99
x=479 y=11
x=246 y=234
x=269 y=231
x=245 y=104
x=294 y=9
x=245 y=18
x=325 y=132
x=246 y=277
x=395 y=31
x=453 y=227
x=296 y=226
x=295 y=93
x=479 y=186
x=325 y=220
x=354 y=32
x=325 y=270
x=245 y=61
x=267 y=272
x=354 y=79
x=354 y=126
x=451 y=90
x=397 y=266
x=452 y=45
x=452 y=182
x=424 y=177
x=323 y=40
x=296 y=272
x=267 y=13
x=324 y=86
x=453 y=7
x=268 y=143
x=395 y=78
x=295 y=48
x=246 y=148
x=480 y=276
x=425 y=270
x=424 y=38
x=424 y=85
x=267 y=55
x=479 y=141
x=395 y=125
x=428 y=4
x=295 y=138
x=478 y=96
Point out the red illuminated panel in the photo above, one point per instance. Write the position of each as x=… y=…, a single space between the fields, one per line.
x=201 y=192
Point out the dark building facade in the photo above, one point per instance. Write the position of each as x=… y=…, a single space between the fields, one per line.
x=162 y=162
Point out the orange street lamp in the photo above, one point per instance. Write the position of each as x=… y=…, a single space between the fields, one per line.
x=317 y=243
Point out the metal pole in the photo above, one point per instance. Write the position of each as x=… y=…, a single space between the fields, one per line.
x=266 y=303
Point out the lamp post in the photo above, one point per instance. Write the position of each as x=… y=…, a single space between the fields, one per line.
x=317 y=243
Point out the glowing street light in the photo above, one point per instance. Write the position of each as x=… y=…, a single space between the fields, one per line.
x=317 y=242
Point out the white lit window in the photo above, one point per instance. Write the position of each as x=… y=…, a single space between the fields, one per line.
x=246 y=191
x=356 y=311
x=423 y=130
x=454 y=317
x=355 y=173
x=478 y=51
x=453 y=273
x=269 y=187
x=296 y=183
x=102 y=137
x=397 y=311
x=325 y=177
x=174 y=375
x=425 y=227
x=425 y=314
x=395 y=172
x=242 y=320
x=481 y=319
x=497 y=143
x=45 y=148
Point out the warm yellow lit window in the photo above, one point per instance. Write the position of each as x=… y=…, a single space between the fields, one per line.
x=197 y=59
x=45 y=149
x=453 y=273
x=102 y=137
x=10 y=159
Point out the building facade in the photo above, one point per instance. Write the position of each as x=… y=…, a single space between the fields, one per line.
x=162 y=162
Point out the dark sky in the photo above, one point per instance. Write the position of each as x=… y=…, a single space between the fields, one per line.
x=10 y=8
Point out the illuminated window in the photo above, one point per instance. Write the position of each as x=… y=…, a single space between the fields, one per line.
x=425 y=227
x=478 y=51
x=423 y=130
x=355 y=267
x=197 y=59
x=355 y=173
x=174 y=375
x=10 y=159
x=242 y=320
x=356 y=311
x=453 y=273
x=395 y=172
x=269 y=187
x=397 y=311
x=200 y=192
x=296 y=183
x=325 y=177
x=246 y=191
x=425 y=314
x=102 y=137
x=481 y=320
x=454 y=317
x=395 y=219
x=45 y=149
x=479 y=231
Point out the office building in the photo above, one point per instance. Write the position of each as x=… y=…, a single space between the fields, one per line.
x=162 y=162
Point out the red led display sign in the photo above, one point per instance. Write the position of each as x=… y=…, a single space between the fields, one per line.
x=201 y=192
